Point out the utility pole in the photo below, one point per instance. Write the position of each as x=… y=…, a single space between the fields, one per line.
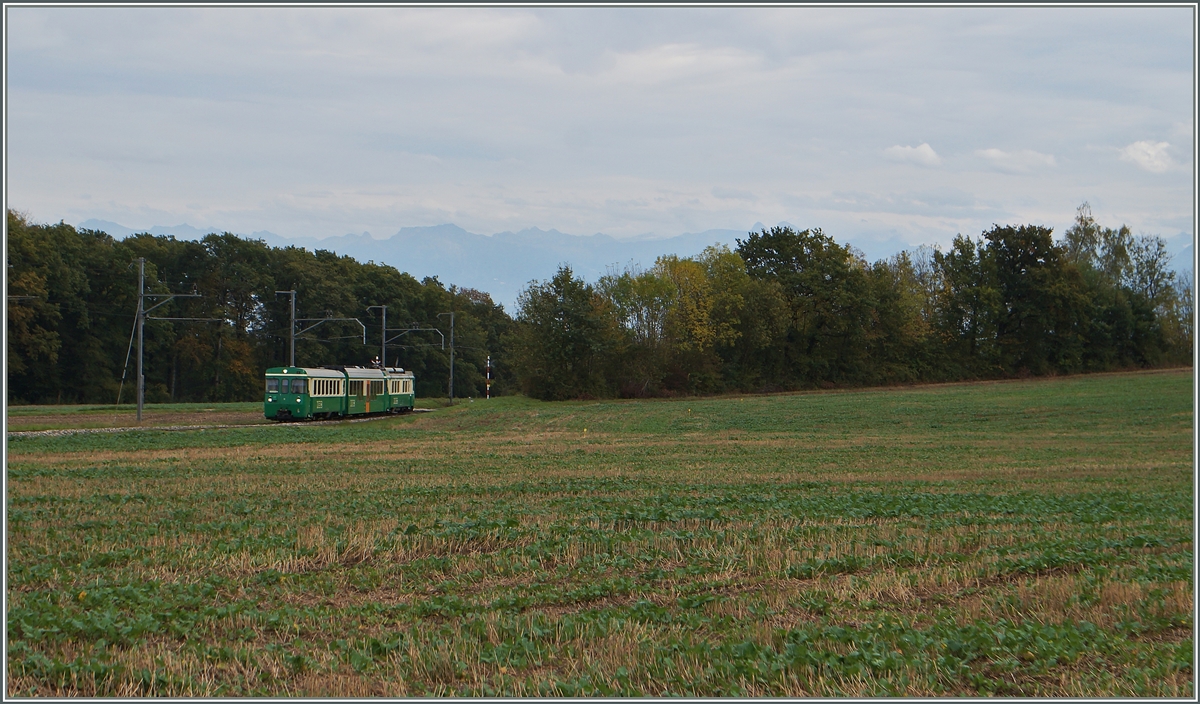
x=141 y=322
x=142 y=312
x=488 y=390
x=291 y=329
x=451 y=314
x=382 y=337
x=315 y=322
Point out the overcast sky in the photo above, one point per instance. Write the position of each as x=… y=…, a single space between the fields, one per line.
x=916 y=123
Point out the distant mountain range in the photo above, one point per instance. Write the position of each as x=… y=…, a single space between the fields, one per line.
x=504 y=263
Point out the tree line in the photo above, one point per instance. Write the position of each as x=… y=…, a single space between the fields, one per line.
x=783 y=310
x=73 y=297
x=791 y=310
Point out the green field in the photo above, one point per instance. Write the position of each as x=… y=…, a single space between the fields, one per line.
x=1020 y=538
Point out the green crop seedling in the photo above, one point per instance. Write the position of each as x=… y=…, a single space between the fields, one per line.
x=1028 y=538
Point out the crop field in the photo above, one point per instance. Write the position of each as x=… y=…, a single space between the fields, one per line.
x=1029 y=538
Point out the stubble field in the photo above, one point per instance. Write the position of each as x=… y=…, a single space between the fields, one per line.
x=1023 y=538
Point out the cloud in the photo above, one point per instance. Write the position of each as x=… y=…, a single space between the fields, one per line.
x=923 y=154
x=1151 y=156
x=675 y=62
x=945 y=201
x=320 y=121
x=1020 y=162
x=732 y=194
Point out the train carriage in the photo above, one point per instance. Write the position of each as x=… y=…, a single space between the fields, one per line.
x=294 y=393
x=298 y=392
x=401 y=394
x=365 y=390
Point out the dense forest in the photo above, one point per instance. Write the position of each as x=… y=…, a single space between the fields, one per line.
x=73 y=298
x=783 y=310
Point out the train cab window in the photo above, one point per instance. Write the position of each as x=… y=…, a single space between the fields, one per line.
x=299 y=386
x=272 y=386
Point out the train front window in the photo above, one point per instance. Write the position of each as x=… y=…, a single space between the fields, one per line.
x=299 y=386
x=272 y=386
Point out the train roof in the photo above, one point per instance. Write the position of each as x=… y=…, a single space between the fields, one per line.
x=339 y=372
x=354 y=372
x=305 y=371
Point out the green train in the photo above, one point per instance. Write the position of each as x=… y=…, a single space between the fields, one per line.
x=301 y=393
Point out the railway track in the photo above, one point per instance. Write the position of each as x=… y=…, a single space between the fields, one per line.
x=55 y=432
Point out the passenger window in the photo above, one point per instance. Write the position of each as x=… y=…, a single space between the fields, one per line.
x=272 y=386
x=298 y=386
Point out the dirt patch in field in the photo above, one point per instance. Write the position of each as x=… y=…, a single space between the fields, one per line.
x=124 y=419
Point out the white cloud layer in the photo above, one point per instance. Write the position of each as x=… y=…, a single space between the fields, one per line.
x=922 y=154
x=1020 y=162
x=1151 y=156
x=319 y=121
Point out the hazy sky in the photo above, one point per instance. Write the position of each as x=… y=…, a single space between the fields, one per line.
x=915 y=123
